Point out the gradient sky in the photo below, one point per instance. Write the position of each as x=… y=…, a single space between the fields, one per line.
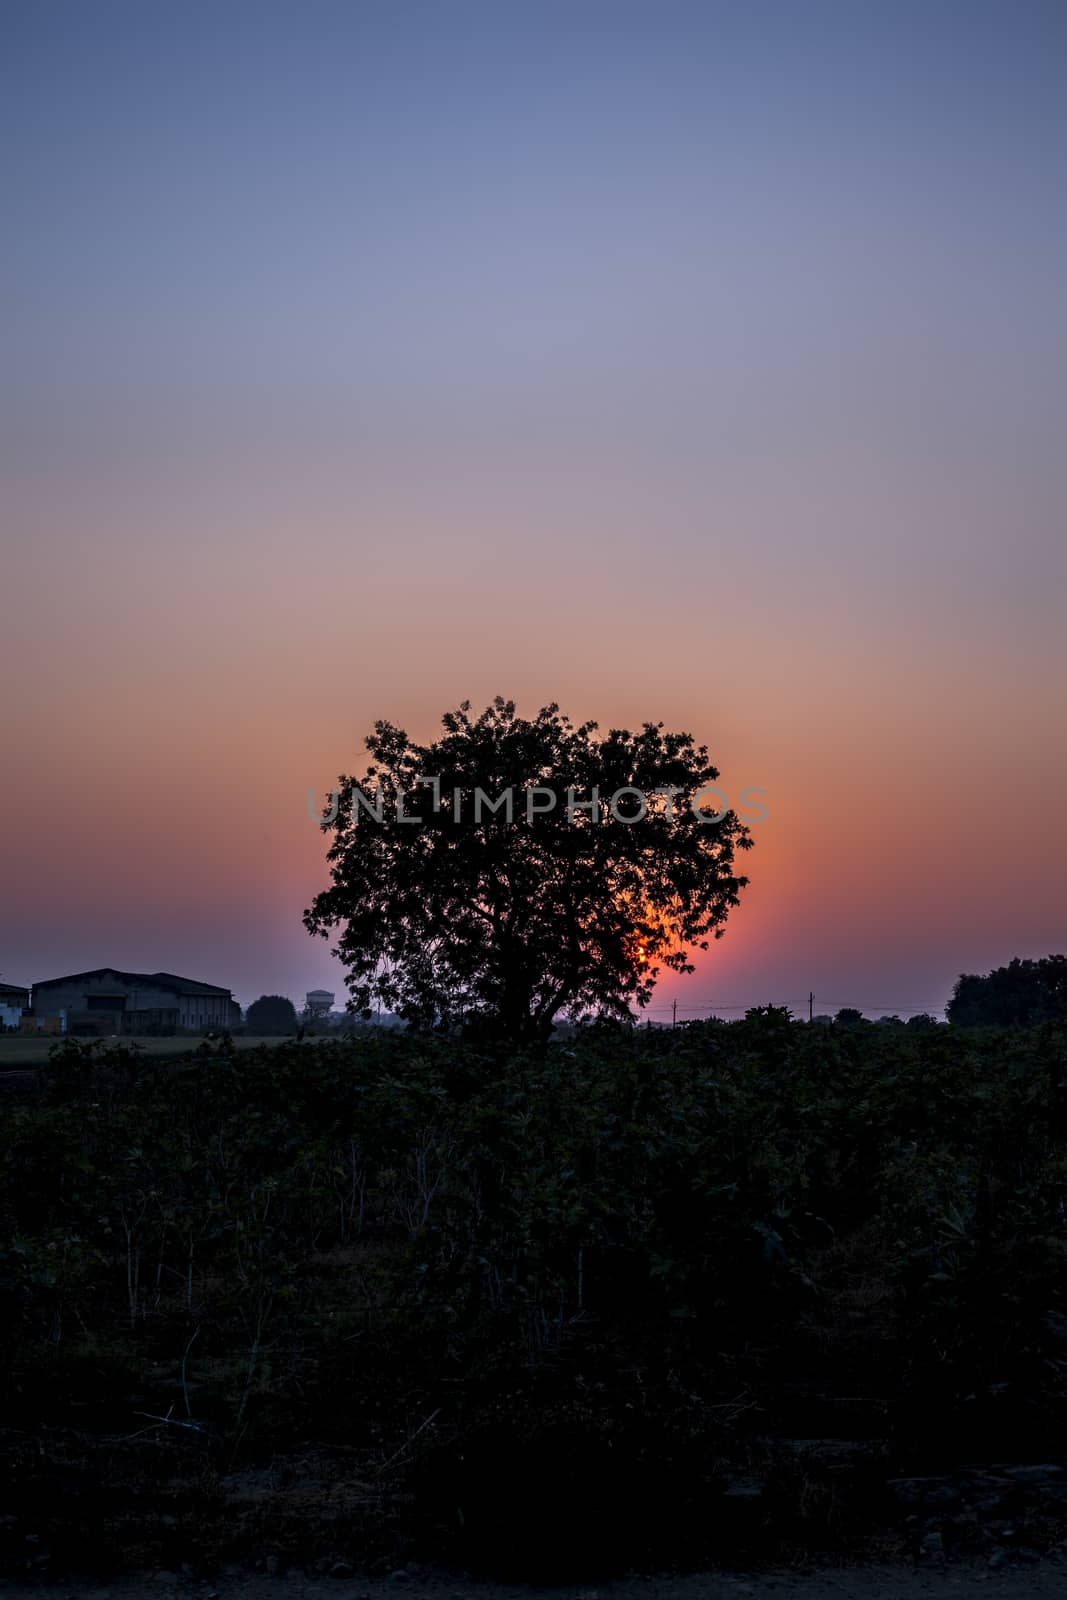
x=691 y=362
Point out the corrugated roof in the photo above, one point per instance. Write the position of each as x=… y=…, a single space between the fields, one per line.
x=135 y=980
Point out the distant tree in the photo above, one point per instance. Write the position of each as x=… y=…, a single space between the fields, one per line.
x=271 y=1014
x=849 y=1017
x=469 y=915
x=921 y=1022
x=1019 y=994
x=773 y=1016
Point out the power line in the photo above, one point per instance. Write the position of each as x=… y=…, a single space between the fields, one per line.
x=932 y=1005
x=675 y=1009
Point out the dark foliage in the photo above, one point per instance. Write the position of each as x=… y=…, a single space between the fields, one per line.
x=271 y=1014
x=451 y=1289
x=1018 y=995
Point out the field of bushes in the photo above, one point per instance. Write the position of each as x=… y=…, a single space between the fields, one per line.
x=651 y=1296
x=19 y=1051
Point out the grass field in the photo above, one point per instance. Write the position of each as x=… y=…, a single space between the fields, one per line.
x=29 y=1050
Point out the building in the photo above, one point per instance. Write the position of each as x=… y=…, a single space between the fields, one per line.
x=318 y=1003
x=107 y=1000
x=13 y=1001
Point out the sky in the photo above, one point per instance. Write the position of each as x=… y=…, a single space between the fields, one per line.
x=692 y=363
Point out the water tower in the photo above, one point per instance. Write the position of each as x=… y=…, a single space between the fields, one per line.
x=318 y=1003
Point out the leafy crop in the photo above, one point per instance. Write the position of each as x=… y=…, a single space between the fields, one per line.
x=645 y=1252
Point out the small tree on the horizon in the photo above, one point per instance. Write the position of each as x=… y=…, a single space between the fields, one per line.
x=504 y=924
x=849 y=1017
x=271 y=1014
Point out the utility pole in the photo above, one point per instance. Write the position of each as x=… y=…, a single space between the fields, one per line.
x=674 y=1013
x=811 y=1006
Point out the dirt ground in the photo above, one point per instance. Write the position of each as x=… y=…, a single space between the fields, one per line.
x=1040 y=1582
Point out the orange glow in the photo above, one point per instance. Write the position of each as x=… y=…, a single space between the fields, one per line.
x=552 y=406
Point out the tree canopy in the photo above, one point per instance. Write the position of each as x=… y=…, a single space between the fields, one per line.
x=1022 y=993
x=849 y=1017
x=517 y=869
x=271 y=1013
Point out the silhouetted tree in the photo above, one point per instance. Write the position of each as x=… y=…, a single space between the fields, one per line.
x=449 y=911
x=921 y=1022
x=1022 y=992
x=849 y=1017
x=271 y=1014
